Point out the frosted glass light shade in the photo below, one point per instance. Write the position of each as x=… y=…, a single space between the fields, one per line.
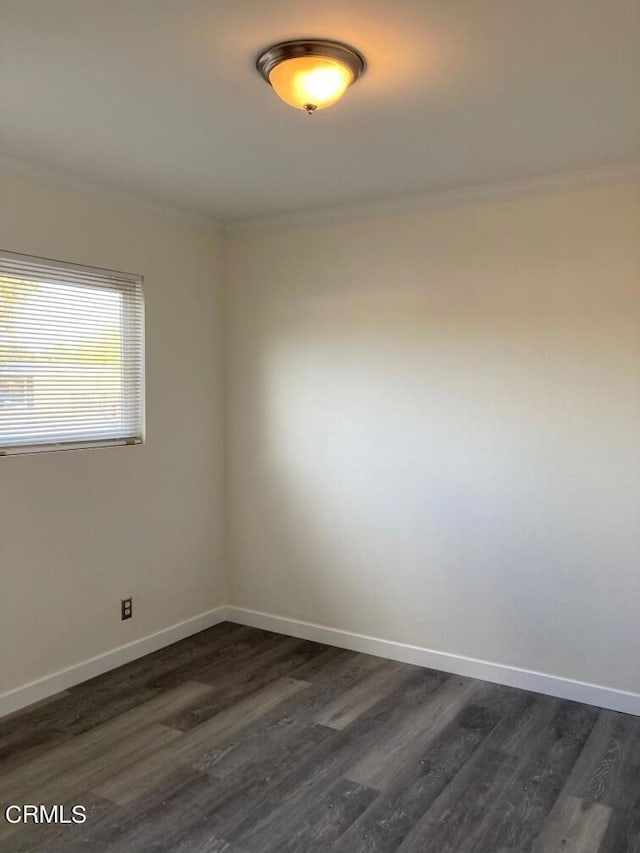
x=311 y=82
x=310 y=74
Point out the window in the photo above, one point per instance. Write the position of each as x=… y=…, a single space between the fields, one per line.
x=71 y=356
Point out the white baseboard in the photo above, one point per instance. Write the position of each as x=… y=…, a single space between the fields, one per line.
x=511 y=676
x=525 y=679
x=43 y=688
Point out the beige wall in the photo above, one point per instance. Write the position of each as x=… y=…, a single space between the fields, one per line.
x=434 y=429
x=81 y=530
x=433 y=436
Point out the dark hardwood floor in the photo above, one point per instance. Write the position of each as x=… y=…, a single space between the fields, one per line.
x=241 y=741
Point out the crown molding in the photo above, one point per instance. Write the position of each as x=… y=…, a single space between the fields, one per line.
x=460 y=197
x=15 y=167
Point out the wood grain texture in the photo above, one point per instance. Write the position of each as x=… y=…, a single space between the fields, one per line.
x=96 y=744
x=573 y=826
x=422 y=781
x=137 y=777
x=351 y=703
x=403 y=736
x=238 y=740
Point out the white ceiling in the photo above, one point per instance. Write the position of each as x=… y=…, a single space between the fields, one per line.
x=160 y=97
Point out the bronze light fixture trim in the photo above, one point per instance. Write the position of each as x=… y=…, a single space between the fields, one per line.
x=310 y=74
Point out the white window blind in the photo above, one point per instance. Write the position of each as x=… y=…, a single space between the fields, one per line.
x=71 y=355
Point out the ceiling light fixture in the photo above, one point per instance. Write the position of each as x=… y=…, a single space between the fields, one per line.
x=310 y=74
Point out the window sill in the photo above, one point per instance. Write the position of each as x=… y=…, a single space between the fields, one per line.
x=29 y=449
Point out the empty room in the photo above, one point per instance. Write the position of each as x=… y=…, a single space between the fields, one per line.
x=320 y=426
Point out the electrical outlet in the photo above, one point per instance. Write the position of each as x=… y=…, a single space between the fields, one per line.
x=126 y=608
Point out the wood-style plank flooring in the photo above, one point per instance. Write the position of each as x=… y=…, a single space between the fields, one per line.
x=241 y=741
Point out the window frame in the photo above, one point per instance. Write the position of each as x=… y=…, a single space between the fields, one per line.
x=104 y=278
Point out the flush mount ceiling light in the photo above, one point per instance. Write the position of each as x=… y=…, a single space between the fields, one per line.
x=310 y=74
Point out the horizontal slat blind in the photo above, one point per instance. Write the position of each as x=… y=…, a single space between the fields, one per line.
x=71 y=355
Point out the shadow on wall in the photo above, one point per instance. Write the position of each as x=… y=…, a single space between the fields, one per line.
x=448 y=469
